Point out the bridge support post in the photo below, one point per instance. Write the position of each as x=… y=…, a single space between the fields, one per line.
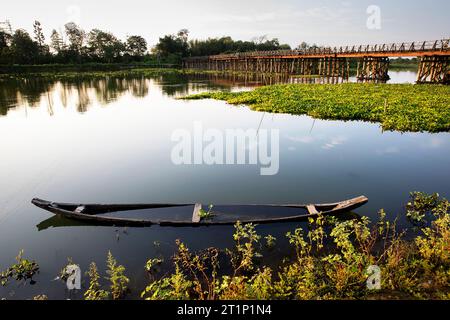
x=373 y=68
x=434 y=69
x=333 y=67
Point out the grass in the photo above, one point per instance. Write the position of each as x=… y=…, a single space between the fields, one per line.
x=401 y=107
x=83 y=67
x=88 y=75
x=331 y=259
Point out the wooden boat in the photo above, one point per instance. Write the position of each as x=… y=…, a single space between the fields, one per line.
x=183 y=215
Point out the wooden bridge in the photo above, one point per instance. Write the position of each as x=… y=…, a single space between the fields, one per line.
x=372 y=61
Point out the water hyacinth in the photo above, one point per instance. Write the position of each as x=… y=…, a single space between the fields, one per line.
x=400 y=107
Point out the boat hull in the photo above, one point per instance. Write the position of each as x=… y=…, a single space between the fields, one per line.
x=96 y=214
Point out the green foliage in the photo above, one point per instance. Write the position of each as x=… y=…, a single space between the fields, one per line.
x=94 y=292
x=152 y=265
x=214 y=46
x=17 y=47
x=173 y=45
x=245 y=252
x=331 y=262
x=23 y=270
x=23 y=49
x=399 y=107
x=270 y=241
x=206 y=214
x=201 y=267
x=173 y=287
x=116 y=275
x=404 y=63
x=422 y=204
x=136 y=46
x=104 y=46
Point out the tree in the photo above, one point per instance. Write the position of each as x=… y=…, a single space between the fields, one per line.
x=44 y=49
x=5 y=42
x=174 y=45
x=56 y=41
x=24 y=50
x=38 y=34
x=170 y=44
x=213 y=46
x=76 y=37
x=136 y=46
x=104 y=45
x=5 y=39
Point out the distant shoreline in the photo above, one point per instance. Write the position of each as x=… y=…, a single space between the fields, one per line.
x=85 y=67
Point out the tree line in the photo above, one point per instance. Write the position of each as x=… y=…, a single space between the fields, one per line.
x=74 y=45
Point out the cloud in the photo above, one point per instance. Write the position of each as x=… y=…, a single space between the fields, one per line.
x=388 y=150
x=260 y=17
x=302 y=139
x=286 y=14
x=335 y=141
x=329 y=143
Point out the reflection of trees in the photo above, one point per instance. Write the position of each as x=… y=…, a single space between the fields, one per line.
x=33 y=91
x=8 y=97
x=139 y=87
x=83 y=92
x=230 y=80
x=14 y=92
x=83 y=100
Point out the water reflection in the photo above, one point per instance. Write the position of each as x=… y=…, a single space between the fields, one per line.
x=122 y=154
x=84 y=93
x=36 y=91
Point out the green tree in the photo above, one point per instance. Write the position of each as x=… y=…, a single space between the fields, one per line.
x=56 y=41
x=173 y=47
x=213 y=46
x=104 y=46
x=136 y=46
x=38 y=34
x=44 y=50
x=23 y=49
x=76 y=37
x=5 y=42
x=5 y=39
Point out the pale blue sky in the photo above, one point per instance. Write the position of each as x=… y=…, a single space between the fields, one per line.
x=325 y=22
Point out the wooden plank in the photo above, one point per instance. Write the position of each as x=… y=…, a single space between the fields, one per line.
x=196 y=214
x=312 y=209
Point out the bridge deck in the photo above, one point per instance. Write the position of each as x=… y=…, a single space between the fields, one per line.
x=410 y=49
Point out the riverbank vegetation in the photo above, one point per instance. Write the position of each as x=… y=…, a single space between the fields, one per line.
x=399 y=107
x=404 y=63
x=331 y=259
x=50 y=73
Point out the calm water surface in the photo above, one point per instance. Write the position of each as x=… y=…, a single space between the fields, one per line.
x=109 y=141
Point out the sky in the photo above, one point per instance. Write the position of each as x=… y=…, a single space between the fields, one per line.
x=322 y=22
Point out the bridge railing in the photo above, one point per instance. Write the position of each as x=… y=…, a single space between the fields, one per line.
x=418 y=46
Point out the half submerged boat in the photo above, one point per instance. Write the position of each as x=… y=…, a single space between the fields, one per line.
x=136 y=215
